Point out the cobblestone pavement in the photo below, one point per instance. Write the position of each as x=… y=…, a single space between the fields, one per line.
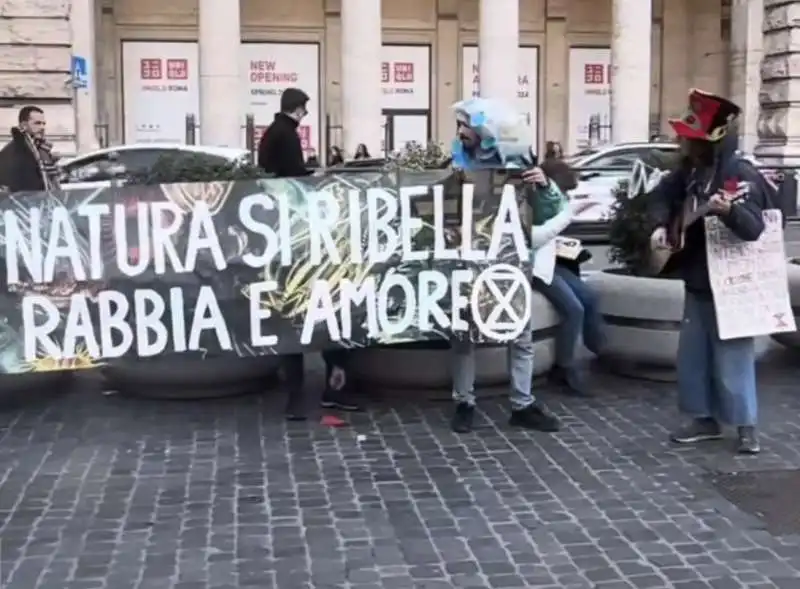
x=121 y=493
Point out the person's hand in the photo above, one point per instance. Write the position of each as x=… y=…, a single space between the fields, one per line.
x=337 y=379
x=659 y=238
x=720 y=203
x=535 y=176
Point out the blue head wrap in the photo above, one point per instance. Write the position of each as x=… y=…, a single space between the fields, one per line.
x=499 y=130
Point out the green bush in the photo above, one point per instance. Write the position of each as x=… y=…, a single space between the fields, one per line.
x=194 y=167
x=416 y=156
x=631 y=224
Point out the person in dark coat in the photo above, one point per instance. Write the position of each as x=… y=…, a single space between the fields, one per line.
x=280 y=152
x=716 y=377
x=26 y=162
x=557 y=169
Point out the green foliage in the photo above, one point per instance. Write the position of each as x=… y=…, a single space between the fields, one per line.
x=631 y=225
x=416 y=156
x=195 y=167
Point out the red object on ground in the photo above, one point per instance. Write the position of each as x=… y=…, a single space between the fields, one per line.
x=332 y=421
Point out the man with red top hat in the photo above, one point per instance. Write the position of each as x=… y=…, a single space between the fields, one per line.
x=716 y=378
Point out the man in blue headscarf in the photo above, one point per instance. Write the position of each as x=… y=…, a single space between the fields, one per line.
x=488 y=138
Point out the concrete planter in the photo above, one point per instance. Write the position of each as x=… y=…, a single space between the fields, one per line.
x=17 y=390
x=792 y=339
x=643 y=320
x=185 y=376
x=426 y=365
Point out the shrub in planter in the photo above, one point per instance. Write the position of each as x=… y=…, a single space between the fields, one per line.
x=642 y=312
x=208 y=373
x=415 y=156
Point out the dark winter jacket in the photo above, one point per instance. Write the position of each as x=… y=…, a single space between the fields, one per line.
x=280 y=151
x=19 y=168
x=744 y=220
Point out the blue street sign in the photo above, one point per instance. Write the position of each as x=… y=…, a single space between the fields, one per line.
x=80 y=72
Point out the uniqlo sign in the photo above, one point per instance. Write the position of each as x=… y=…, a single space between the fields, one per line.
x=403 y=72
x=405 y=77
x=596 y=73
x=177 y=69
x=150 y=69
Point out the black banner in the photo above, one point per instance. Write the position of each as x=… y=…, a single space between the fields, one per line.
x=260 y=267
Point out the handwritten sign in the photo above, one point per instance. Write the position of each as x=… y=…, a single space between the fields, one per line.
x=749 y=280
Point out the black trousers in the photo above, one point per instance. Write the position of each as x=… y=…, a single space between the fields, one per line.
x=293 y=366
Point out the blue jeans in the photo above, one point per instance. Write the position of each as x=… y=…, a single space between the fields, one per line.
x=577 y=306
x=520 y=367
x=716 y=378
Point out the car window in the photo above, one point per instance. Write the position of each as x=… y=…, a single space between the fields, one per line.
x=83 y=170
x=617 y=159
x=139 y=160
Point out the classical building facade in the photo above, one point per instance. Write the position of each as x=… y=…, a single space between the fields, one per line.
x=379 y=71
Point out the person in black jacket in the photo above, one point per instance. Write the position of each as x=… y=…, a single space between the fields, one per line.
x=281 y=153
x=24 y=165
x=716 y=378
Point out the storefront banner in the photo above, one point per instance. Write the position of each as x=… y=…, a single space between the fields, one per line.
x=160 y=86
x=267 y=69
x=406 y=77
x=589 y=96
x=528 y=80
x=260 y=267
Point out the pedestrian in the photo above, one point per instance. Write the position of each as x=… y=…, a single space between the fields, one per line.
x=312 y=161
x=335 y=156
x=477 y=147
x=716 y=378
x=280 y=152
x=557 y=169
x=362 y=153
x=27 y=162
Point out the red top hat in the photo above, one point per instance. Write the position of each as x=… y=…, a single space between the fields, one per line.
x=708 y=118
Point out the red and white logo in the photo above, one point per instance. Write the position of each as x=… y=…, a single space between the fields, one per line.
x=150 y=69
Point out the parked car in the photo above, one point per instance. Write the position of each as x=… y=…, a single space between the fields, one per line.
x=600 y=171
x=113 y=164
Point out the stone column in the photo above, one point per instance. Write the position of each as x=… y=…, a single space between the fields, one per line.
x=498 y=49
x=83 y=24
x=747 y=20
x=362 y=118
x=221 y=118
x=630 y=70
x=779 y=119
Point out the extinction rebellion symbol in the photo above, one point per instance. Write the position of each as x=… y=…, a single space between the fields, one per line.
x=508 y=310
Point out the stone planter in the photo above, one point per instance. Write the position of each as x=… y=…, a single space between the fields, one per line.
x=186 y=376
x=22 y=388
x=792 y=339
x=426 y=365
x=643 y=320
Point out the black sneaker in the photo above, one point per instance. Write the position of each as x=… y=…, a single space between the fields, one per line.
x=462 y=418
x=570 y=381
x=748 y=441
x=537 y=417
x=699 y=430
x=332 y=399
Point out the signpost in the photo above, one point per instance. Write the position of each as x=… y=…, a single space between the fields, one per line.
x=80 y=72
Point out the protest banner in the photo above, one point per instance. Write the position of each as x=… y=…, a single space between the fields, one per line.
x=749 y=279
x=259 y=267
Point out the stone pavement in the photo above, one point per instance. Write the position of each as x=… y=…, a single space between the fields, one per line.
x=121 y=493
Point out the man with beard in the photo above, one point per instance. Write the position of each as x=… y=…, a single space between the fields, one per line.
x=716 y=378
x=485 y=130
x=280 y=152
x=27 y=162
